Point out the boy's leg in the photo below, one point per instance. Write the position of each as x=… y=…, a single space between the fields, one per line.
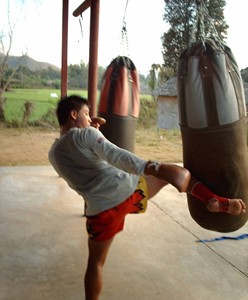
x=181 y=179
x=93 y=277
x=176 y=175
x=154 y=185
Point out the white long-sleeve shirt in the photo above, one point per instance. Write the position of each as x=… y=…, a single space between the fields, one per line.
x=104 y=174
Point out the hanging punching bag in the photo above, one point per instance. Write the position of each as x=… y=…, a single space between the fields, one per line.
x=120 y=102
x=214 y=129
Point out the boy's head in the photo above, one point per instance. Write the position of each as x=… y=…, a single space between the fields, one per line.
x=68 y=104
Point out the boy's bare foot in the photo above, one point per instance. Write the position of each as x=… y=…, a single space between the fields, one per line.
x=232 y=207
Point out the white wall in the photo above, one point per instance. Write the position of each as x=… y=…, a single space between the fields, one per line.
x=167 y=113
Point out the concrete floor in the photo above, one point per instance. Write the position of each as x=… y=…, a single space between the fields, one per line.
x=43 y=248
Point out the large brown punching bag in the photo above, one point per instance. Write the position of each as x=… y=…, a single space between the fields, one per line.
x=214 y=129
x=120 y=102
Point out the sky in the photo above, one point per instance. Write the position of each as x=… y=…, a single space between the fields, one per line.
x=37 y=30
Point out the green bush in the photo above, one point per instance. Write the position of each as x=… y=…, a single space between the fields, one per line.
x=148 y=113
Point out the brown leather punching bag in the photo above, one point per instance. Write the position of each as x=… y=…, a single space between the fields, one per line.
x=120 y=102
x=213 y=125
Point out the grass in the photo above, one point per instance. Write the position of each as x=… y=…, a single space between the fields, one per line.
x=43 y=103
x=40 y=98
x=150 y=142
x=159 y=144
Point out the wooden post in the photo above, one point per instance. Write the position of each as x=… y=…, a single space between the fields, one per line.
x=64 y=65
x=93 y=57
x=93 y=50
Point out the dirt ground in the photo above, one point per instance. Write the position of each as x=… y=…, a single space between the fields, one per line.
x=30 y=146
x=25 y=147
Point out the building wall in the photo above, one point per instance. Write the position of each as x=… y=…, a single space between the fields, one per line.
x=167 y=112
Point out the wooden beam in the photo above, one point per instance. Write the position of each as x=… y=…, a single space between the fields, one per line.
x=85 y=5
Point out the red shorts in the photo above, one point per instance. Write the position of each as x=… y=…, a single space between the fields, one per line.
x=105 y=225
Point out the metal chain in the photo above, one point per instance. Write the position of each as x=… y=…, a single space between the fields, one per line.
x=81 y=25
x=124 y=37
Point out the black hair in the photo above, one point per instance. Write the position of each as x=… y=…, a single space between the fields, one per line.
x=67 y=104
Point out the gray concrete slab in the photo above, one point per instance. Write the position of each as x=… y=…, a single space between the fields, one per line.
x=43 y=247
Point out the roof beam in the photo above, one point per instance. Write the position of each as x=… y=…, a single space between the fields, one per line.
x=82 y=7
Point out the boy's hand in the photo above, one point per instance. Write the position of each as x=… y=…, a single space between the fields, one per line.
x=97 y=122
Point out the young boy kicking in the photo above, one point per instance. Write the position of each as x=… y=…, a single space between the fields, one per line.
x=114 y=182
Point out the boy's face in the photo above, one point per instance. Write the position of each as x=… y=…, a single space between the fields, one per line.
x=82 y=117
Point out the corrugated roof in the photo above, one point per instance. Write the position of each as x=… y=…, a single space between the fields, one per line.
x=169 y=88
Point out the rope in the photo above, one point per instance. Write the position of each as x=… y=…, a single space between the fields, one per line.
x=202 y=12
x=202 y=18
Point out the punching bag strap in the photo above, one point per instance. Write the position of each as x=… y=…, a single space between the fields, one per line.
x=181 y=83
x=237 y=81
x=208 y=89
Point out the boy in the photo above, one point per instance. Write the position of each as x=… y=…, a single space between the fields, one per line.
x=114 y=182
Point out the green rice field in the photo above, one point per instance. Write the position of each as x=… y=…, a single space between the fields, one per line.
x=42 y=100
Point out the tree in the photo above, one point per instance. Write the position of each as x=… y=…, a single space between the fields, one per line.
x=158 y=74
x=190 y=20
x=6 y=39
x=244 y=74
x=4 y=53
x=78 y=76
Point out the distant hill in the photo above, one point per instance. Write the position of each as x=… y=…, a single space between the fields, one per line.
x=29 y=62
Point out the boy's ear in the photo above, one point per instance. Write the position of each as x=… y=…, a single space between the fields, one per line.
x=73 y=114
